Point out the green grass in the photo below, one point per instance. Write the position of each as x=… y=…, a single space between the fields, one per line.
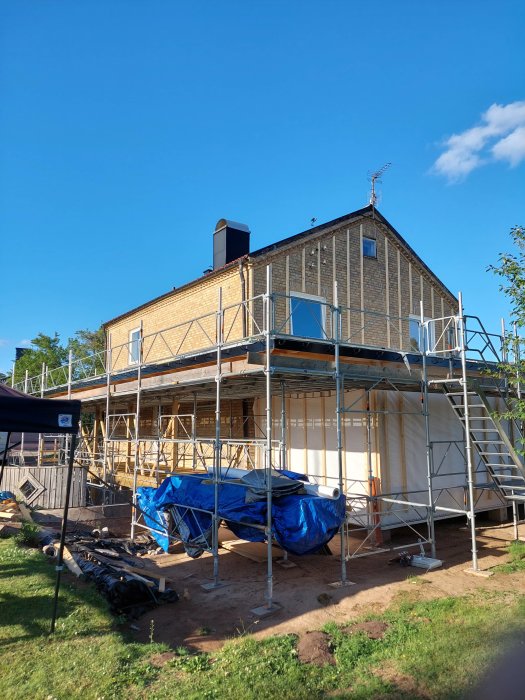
x=516 y=561
x=430 y=649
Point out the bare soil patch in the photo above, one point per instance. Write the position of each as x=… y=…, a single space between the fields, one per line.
x=307 y=601
x=374 y=629
x=406 y=685
x=314 y=648
x=158 y=660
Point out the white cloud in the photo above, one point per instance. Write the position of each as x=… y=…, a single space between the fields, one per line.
x=24 y=343
x=500 y=136
x=3 y=342
x=511 y=148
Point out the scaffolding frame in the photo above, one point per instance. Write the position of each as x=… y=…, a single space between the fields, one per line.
x=452 y=341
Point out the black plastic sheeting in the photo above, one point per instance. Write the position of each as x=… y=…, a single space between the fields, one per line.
x=124 y=593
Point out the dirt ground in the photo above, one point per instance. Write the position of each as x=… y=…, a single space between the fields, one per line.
x=204 y=620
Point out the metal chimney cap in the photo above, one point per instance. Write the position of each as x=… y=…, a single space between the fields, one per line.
x=226 y=223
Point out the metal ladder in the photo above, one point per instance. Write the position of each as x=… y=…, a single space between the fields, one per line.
x=490 y=438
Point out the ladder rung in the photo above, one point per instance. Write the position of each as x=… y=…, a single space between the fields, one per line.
x=500 y=466
x=469 y=405
x=509 y=476
x=489 y=442
x=493 y=454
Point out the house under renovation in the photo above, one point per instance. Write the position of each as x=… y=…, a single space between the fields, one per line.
x=335 y=354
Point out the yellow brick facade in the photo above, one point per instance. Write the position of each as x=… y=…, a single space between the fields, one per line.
x=180 y=322
x=377 y=296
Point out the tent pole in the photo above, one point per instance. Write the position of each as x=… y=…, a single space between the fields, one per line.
x=60 y=559
x=4 y=457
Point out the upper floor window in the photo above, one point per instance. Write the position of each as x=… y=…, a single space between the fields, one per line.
x=369 y=247
x=134 y=346
x=307 y=315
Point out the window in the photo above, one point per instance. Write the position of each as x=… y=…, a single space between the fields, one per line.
x=369 y=247
x=307 y=315
x=30 y=488
x=134 y=346
x=416 y=333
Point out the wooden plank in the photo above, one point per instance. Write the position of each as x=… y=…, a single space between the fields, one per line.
x=160 y=577
x=256 y=551
x=9 y=516
x=69 y=560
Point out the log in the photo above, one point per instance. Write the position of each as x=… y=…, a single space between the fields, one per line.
x=25 y=513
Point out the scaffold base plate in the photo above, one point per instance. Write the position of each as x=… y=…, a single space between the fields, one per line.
x=213 y=585
x=265 y=610
x=285 y=563
x=478 y=572
x=341 y=584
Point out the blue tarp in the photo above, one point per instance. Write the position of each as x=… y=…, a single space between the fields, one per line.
x=302 y=523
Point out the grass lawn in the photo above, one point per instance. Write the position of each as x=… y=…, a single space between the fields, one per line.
x=430 y=649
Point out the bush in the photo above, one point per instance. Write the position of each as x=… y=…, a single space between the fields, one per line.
x=29 y=535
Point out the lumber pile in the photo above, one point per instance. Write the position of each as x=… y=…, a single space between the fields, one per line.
x=9 y=508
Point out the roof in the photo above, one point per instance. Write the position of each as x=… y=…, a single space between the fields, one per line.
x=367 y=211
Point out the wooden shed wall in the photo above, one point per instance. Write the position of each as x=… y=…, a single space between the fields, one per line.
x=53 y=479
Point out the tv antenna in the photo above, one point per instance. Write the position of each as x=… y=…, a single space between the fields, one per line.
x=376 y=177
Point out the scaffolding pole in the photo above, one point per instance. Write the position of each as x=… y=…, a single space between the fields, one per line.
x=218 y=445
x=40 y=436
x=471 y=515
x=137 y=443
x=268 y=447
x=282 y=451
x=517 y=358
x=338 y=416
x=105 y=455
x=429 y=455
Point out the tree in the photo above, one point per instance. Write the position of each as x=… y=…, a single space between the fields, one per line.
x=86 y=343
x=87 y=348
x=511 y=269
x=45 y=349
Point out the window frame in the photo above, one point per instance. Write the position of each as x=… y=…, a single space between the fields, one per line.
x=417 y=319
x=366 y=255
x=131 y=342
x=310 y=298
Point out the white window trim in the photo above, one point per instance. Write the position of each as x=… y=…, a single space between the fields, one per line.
x=309 y=297
x=131 y=361
x=369 y=238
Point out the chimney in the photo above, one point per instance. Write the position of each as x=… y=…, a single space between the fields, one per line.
x=230 y=241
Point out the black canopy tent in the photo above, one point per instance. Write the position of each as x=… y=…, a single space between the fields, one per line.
x=27 y=414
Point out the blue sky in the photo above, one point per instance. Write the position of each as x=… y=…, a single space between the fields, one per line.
x=128 y=128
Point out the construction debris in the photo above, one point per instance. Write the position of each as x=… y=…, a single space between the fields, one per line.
x=120 y=576
x=9 y=508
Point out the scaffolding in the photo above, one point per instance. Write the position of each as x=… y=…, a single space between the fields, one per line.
x=442 y=357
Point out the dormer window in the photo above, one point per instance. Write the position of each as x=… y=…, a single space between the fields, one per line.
x=369 y=247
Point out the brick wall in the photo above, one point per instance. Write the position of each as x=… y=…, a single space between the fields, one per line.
x=182 y=322
x=377 y=296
